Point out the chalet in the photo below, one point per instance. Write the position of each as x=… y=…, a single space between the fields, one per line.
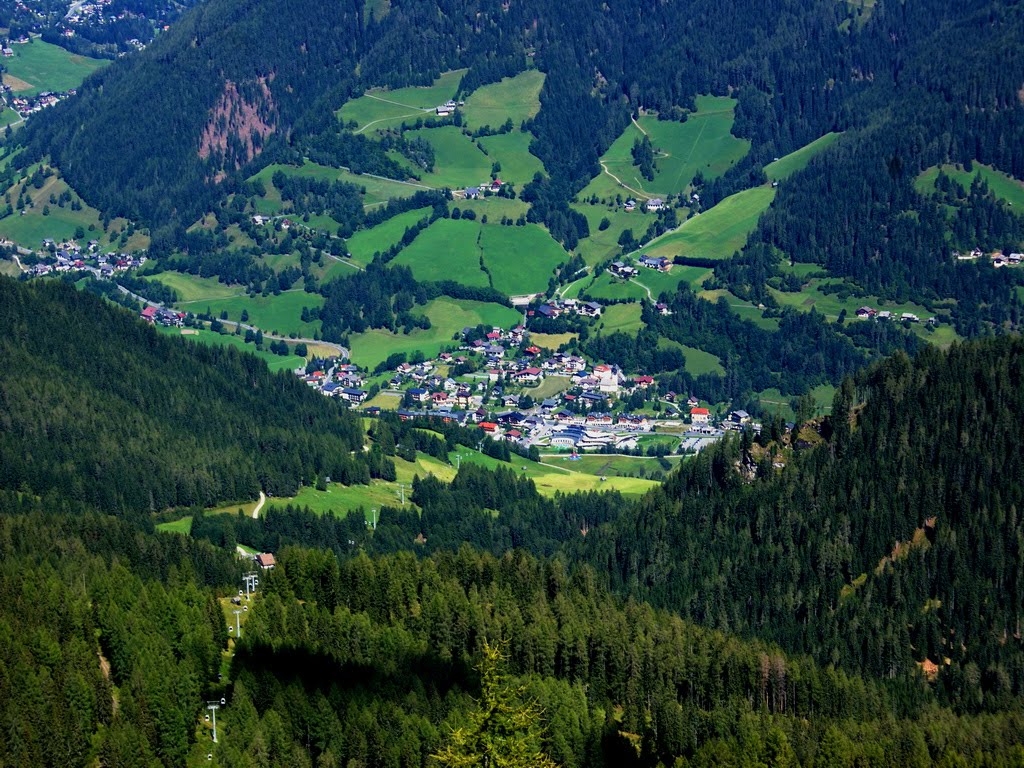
x=373 y=410
x=643 y=382
x=623 y=270
x=404 y=415
x=630 y=205
x=866 y=313
x=331 y=388
x=662 y=308
x=548 y=310
x=513 y=434
x=439 y=398
x=909 y=317
x=739 y=418
x=472 y=193
x=528 y=375
x=635 y=422
x=659 y=263
x=419 y=395
x=693 y=402
x=549 y=404
x=259 y=220
x=700 y=415
x=532 y=351
x=149 y=314
x=593 y=398
x=353 y=395
x=885 y=314
x=510 y=401
x=442 y=110
x=1015 y=258
x=654 y=204
x=589 y=309
x=489 y=427
x=599 y=420
x=496 y=185
x=265 y=561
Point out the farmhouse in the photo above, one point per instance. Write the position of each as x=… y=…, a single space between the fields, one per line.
x=655 y=204
x=623 y=270
x=866 y=313
x=265 y=561
x=659 y=263
x=149 y=314
x=472 y=193
x=630 y=205
x=700 y=415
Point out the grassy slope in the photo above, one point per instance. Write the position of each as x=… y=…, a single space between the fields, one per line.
x=46 y=67
x=194 y=288
x=512 y=151
x=520 y=259
x=388 y=109
x=703 y=143
x=446 y=250
x=458 y=162
x=274 y=362
x=30 y=230
x=786 y=166
x=601 y=246
x=362 y=245
x=447 y=316
x=621 y=317
x=1002 y=185
x=516 y=97
x=719 y=232
x=280 y=314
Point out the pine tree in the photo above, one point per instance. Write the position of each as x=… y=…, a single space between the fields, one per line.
x=504 y=731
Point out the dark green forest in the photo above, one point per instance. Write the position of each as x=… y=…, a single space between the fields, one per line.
x=97 y=407
x=771 y=604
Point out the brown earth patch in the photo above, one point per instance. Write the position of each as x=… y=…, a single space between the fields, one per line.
x=16 y=84
x=239 y=122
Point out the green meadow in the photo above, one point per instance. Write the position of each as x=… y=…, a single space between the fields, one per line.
x=719 y=232
x=365 y=243
x=601 y=246
x=48 y=220
x=744 y=309
x=697 y=360
x=458 y=162
x=449 y=249
x=375 y=191
x=39 y=66
x=512 y=152
x=786 y=166
x=703 y=143
x=621 y=317
x=516 y=97
x=830 y=305
x=192 y=288
x=447 y=316
x=520 y=259
x=669 y=282
x=380 y=108
x=274 y=362
x=1003 y=186
x=281 y=314
x=607 y=286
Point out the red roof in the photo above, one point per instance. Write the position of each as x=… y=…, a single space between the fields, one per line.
x=533 y=350
x=644 y=379
x=700 y=412
x=149 y=313
x=530 y=372
x=488 y=426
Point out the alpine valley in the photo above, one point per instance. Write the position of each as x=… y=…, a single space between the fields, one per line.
x=399 y=383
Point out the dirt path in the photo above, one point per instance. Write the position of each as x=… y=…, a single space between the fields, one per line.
x=649 y=296
x=259 y=505
x=622 y=184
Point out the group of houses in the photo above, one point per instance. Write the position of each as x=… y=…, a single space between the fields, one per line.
x=702 y=420
x=556 y=307
x=28 y=105
x=163 y=316
x=869 y=313
x=446 y=109
x=653 y=205
x=68 y=256
x=340 y=380
x=999 y=258
x=492 y=187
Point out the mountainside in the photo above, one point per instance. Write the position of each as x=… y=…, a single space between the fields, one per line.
x=898 y=540
x=100 y=408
